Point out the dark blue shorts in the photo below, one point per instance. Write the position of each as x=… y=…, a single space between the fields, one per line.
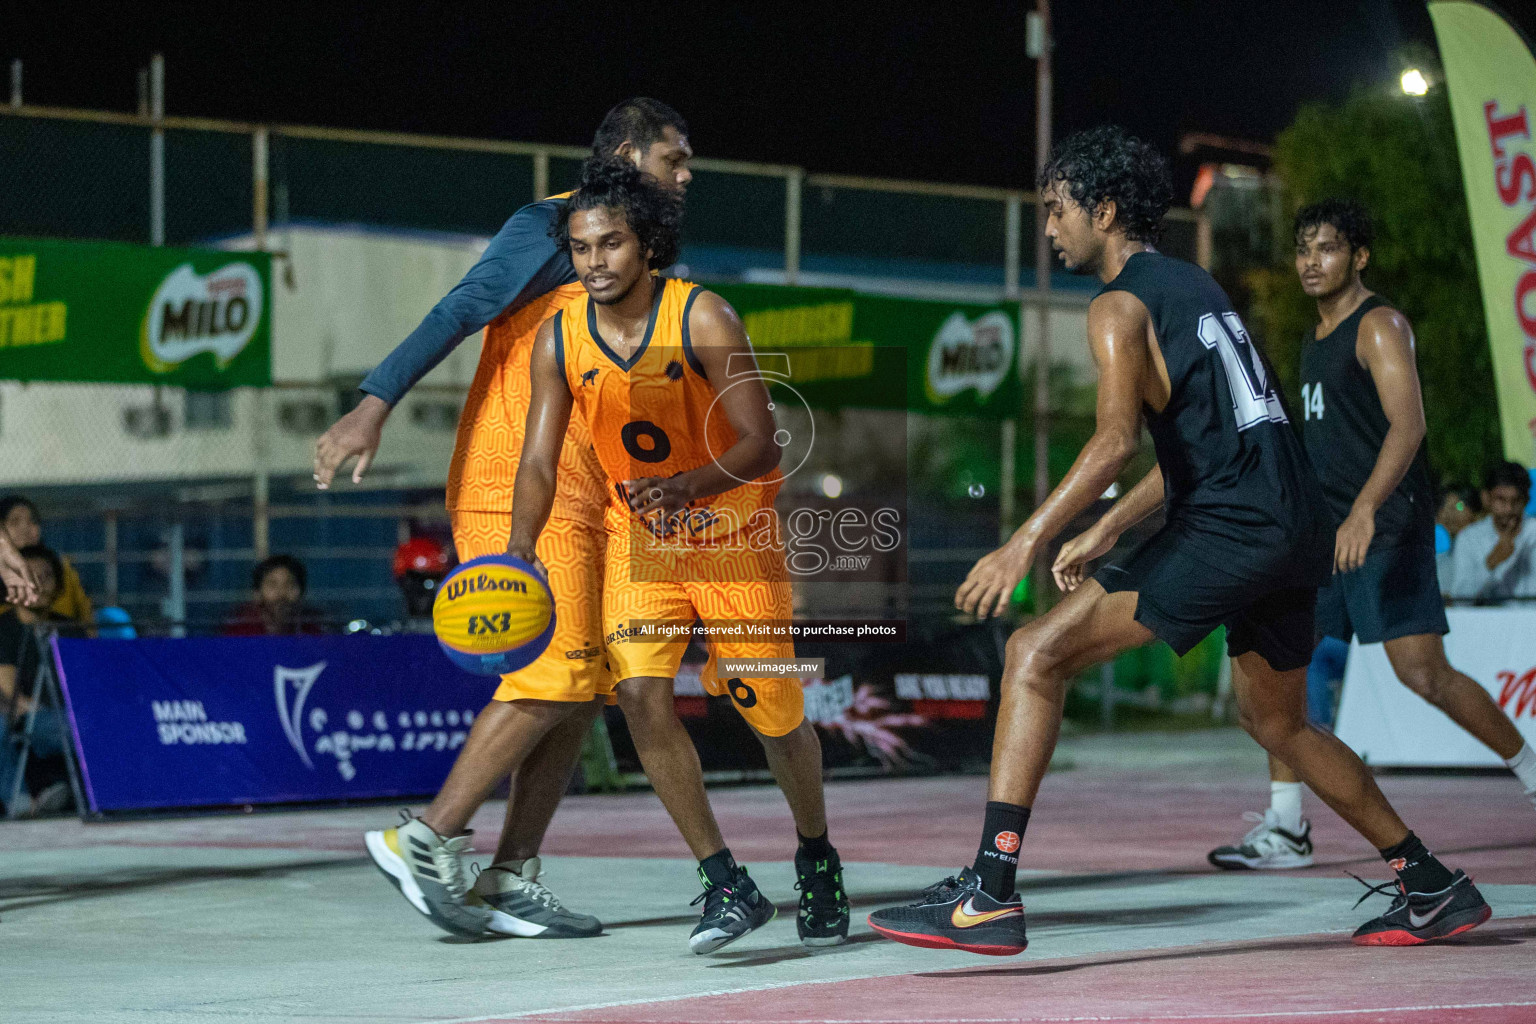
x=1395 y=593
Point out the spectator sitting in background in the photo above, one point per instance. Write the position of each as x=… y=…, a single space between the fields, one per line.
x=278 y=607
x=19 y=519
x=20 y=657
x=1494 y=559
x=1460 y=507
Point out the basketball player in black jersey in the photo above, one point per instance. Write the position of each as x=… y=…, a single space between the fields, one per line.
x=1246 y=545
x=1363 y=423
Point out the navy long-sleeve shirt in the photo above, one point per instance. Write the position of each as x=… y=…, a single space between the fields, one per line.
x=521 y=263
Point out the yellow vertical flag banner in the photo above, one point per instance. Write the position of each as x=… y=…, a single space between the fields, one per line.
x=1491 y=76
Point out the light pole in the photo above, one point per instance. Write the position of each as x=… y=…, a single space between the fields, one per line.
x=1039 y=47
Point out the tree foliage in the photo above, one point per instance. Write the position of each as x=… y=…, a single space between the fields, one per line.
x=1397 y=156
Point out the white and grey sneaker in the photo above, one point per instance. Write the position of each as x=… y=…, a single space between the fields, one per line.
x=1267 y=846
x=427 y=870
x=521 y=905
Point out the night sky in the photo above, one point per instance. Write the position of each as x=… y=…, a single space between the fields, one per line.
x=945 y=93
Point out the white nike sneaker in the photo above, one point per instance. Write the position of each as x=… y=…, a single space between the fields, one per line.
x=1267 y=846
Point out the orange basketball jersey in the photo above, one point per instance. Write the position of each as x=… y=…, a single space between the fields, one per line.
x=490 y=438
x=655 y=414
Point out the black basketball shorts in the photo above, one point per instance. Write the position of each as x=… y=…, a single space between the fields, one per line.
x=1395 y=593
x=1265 y=602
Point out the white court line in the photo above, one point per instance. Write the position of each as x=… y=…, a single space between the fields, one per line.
x=632 y=1002
x=1138 y=1019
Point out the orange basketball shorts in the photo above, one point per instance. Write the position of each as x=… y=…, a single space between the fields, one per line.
x=574 y=667
x=729 y=589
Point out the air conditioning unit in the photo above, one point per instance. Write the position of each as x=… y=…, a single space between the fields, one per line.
x=304 y=416
x=147 y=422
x=439 y=416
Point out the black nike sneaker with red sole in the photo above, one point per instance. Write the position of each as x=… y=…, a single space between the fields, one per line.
x=957 y=914
x=1415 y=918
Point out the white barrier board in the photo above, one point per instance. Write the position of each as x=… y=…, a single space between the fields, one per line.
x=1388 y=724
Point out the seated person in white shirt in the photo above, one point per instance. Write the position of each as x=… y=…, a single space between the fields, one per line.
x=1494 y=559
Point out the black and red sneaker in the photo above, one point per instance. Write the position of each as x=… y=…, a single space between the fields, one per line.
x=957 y=914
x=1415 y=918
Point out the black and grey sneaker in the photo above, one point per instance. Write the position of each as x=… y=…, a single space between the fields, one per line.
x=1267 y=846
x=957 y=913
x=1415 y=918
x=520 y=905
x=731 y=910
x=823 y=918
x=427 y=870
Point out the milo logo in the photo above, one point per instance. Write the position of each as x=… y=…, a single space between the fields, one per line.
x=970 y=355
x=479 y=584
x=193 y=313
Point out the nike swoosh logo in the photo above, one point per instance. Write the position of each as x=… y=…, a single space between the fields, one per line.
x=966 y=916
x=1419 y=921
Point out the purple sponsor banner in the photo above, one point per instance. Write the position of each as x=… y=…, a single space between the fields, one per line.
x=208 y=722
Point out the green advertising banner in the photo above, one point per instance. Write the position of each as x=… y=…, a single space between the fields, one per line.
x=106 y=311
x=843 y=348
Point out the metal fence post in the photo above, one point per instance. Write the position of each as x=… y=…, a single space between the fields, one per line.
x=259 y=162
x=176 y=570
x=793 y=186
x=157 y=151
x=109 y=551
x=1013 y=232
x=16 y=83
x=541 y=175
x=1008 y=482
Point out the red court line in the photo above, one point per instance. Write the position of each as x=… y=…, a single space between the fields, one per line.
x=1484 y=977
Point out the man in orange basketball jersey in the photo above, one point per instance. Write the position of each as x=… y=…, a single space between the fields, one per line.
x=534 y=726
x=663 y=376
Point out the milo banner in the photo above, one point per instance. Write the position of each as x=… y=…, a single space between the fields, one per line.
x=1492 y=81
x=106 y=311
x=843 y=348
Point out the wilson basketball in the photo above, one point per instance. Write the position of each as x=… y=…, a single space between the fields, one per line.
x=493 y=615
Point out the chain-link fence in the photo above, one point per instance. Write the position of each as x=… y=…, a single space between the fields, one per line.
x=164 y=498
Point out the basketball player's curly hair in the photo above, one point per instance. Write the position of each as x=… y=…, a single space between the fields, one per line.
x=1348 y=218
x=1107 y=164
x=654 y=213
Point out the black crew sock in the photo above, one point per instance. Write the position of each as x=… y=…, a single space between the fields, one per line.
x=816 y=849
x=719 y=868
x=997 y=859
x=1416 y=867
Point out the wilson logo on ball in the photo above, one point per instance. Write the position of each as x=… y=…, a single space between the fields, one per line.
x=494 y=615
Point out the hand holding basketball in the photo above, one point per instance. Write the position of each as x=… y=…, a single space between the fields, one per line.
x=494 y=614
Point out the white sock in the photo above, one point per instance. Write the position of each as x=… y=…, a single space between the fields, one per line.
x=1523 y=765
x=1285 y=801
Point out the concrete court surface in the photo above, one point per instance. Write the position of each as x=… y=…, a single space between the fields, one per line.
x=279 y=917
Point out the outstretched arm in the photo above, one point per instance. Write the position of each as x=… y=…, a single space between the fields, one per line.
x=521 y=263
x=720 y=344
x=549 y=413
x=1118 y=328
x=1385 y=347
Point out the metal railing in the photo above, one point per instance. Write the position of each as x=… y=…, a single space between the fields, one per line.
x=183 y=180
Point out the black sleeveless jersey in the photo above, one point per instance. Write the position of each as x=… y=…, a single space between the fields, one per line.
x=1235 y=475
x=1345 y=426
